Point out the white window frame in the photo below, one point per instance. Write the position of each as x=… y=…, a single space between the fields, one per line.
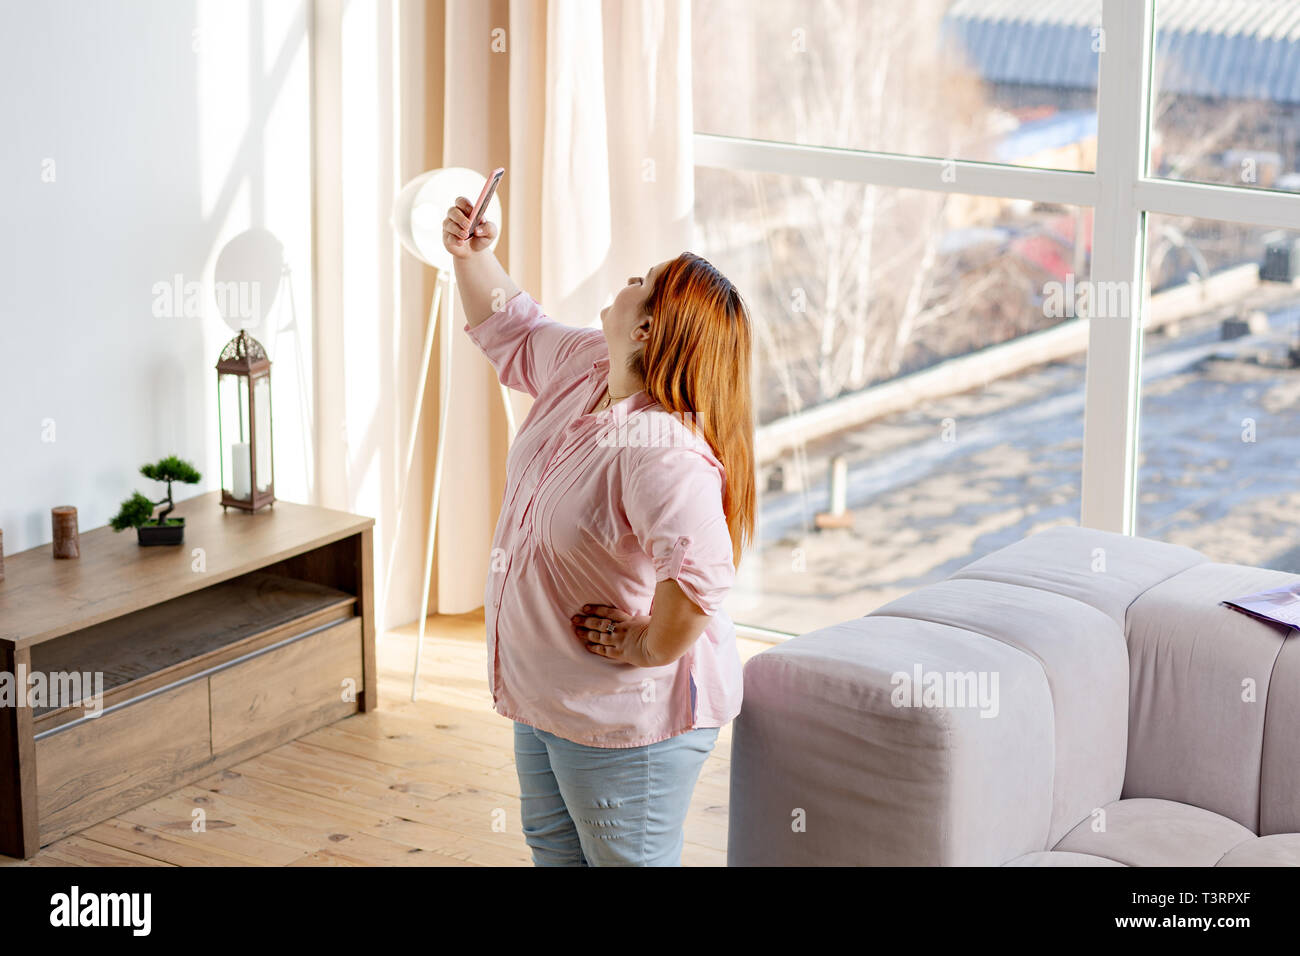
x=1122 y=195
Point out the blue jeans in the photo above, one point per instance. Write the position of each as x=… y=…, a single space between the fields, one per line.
x=601 y=806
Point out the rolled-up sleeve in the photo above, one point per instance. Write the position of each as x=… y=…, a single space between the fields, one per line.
x=525 y=346
x=673 y=501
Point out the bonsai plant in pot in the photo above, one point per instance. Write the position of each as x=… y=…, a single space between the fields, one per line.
x=137 y=511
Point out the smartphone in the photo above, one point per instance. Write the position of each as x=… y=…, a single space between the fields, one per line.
x=485 y=197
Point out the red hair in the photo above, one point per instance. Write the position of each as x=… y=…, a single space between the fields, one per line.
x=697 y=360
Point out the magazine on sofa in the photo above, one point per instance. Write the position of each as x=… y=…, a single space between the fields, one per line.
x=1278 y=604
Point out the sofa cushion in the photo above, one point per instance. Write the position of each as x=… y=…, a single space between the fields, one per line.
x=1100 y=568
x=1280 y=849
x=1084 y=656
x=1279 y=777
x=1145 y=832
x=1061 y=858
x=1198 y=690
x=829 y=769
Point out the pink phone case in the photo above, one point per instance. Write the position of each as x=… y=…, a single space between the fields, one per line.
x=484 y=198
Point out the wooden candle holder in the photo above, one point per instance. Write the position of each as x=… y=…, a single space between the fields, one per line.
x=67 y=544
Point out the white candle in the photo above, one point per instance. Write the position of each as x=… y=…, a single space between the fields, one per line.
x=242 y=480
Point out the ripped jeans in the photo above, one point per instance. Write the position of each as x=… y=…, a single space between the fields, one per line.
x=601 y=806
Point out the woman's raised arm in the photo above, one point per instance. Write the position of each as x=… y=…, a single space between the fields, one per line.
x=485 y=287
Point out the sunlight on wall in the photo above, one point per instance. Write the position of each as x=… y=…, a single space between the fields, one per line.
x=254 y=126
x=147 y=135
x=223 y=107
x=367 y=299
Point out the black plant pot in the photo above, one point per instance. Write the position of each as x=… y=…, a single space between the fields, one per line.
x=151 y=534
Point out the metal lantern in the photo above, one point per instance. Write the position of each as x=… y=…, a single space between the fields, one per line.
x=244 y=416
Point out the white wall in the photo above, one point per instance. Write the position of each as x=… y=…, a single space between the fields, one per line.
x=136 y=137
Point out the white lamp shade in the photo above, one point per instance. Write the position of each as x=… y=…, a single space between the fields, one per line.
x=421 y=206
x=246 y=278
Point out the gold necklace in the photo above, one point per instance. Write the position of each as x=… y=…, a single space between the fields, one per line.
x=609 y=397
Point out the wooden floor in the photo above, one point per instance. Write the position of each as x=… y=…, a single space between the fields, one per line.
x=429 y=783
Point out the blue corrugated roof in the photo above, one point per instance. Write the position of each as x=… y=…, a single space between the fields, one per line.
x=1237 y=49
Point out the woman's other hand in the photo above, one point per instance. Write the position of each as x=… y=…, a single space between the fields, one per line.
x=455 y=235
x=628 y=641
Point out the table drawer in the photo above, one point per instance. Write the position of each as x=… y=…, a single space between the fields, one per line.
x=97 y=768
x=289 y=691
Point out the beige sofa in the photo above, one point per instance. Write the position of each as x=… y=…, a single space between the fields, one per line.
x=1076 y=699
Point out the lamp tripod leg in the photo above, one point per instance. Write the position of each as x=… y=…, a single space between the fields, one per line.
x=431 y=328
x=447 y=304
x=424 y=593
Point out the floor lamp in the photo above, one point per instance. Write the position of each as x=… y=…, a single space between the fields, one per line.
x=418 y=213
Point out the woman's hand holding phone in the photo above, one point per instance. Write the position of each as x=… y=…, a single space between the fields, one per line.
x=485 y=287
x=455 y=237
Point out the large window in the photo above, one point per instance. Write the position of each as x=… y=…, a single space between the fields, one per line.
x=947 y=359
x=874 y=347
x=1220 y=435
x=1226 y=92
x=919 y=77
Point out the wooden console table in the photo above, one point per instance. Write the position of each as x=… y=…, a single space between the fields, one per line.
x=254 y=631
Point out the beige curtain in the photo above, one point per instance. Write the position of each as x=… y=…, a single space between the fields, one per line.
x=370 y=135
x=587 y=105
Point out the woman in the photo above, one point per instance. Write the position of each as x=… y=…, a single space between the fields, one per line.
x=629 y=496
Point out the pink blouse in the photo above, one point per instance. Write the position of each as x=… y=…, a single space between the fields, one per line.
x=597 y=510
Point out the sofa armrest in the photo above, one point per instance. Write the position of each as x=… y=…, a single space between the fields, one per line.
x=835 y=761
